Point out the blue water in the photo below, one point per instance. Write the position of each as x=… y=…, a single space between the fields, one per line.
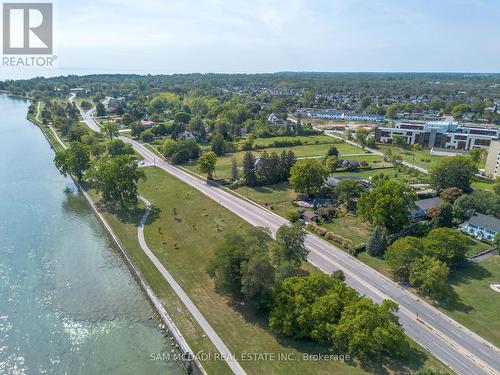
x=68 y=303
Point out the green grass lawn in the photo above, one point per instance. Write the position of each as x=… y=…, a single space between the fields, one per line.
x=183 y=233
x=277 y=197
x=482 y=183
x=422 y=158
x=401 y=175
x=476 y=246
x=351 y=227
x=312 y=139
x=472 y=302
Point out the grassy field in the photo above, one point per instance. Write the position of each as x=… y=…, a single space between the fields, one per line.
x=351 y=227
x=422 y=158
x=184 y=232
x=393 y=173
x=312 y=139
x=277 y=197
x=472 y=302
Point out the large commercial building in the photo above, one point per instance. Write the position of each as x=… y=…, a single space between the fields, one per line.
x=492 y=169
x=441 y=134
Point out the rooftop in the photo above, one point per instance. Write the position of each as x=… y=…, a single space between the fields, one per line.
x=485 y=222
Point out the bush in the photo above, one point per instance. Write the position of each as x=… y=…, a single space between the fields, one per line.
x=344 y=242
x=321 y=231
x=147 y=135
x=293 y=215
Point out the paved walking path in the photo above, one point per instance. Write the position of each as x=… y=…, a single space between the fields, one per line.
x=205 y=325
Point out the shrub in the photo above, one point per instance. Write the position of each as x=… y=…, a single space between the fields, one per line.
x=293 y=215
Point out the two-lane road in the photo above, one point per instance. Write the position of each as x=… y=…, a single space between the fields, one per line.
x=456 y=346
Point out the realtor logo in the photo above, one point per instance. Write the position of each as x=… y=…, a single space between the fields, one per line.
x=27 y=28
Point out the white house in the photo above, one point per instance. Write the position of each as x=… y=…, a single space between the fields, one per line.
x=483 y=227
x=423 y=205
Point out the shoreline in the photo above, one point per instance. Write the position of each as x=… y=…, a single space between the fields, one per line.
x=189 y=361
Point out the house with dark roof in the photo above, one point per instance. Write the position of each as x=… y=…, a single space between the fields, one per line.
x=424 y=205
x=483 y=227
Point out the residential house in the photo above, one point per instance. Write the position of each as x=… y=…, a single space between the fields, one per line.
x=422 y=206
x=483 y=227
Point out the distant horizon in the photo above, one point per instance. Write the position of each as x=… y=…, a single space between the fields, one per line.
x=80 y=73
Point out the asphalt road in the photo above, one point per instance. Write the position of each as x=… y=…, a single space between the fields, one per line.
x=452 y=343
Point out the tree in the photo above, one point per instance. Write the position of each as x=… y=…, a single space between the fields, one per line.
x=180 y=151
x=234 y=169
x=181 y=118
x=496 y=186
x=310 y=306
x=447 y=245
x=401 y=254
x=391 y=111
x=338 y=274
x=218 y=145
x=110 y=129
x=75 y=160
x=116 y=179
x=307 y=176
x=289 y=246
x=347 y=191
x=206 y=163
x=430 y=275
x=135 y=130
x=451 y=194
x=378 y=242
x=117 y=147
x=249 y=174
x=100 y=110
x=257 y=279
x=399 y=141
x=454 y=171
x=388 y=204
x=476 y=154
x=293 y=215
x=367 y=329
x=147 y=135
x=496 y=241
x=464 y=207
x=127 y=120
x=444 y=216
x=332 y=151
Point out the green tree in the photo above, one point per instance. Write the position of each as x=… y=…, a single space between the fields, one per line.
x=75 y=160
x=100 y=110
x=476 y=155
x=347 y=191
x=117 y=147
x=147 y=135
x=116 y=179
x=399 y=141
x=234 y=169
x=401 y=254
x=332 y=151
x=307 y=176
x=430 y=275
x=218 y=145
x=464 y=207
x=388 y=204
x=367 y=329
x=110 y=129
x=257 y=279
x=454 y=171
x=249 y=172
x=289 y=246
x=377 y=243
x=444 y=216
x=496 y=241
x=182 y=118
x=206 y=164
x=447 y=245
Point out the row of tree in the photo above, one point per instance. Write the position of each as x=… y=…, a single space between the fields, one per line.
x=267 y=168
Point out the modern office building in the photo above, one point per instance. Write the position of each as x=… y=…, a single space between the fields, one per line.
x=492 y=169
x=441 y=134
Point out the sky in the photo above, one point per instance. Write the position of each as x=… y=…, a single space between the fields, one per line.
x=237 y=36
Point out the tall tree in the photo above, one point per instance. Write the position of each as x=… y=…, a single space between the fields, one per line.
x=110 y=129
x=116 y=179
x=100 y=110
x=307 y=176
x=218 y=145
x=206 y=164
x=289 y=246
x=430 y=275
x=75 y=160
x=347 y=191
x=234 y=169
x=377 y=243
x=249 y=174
x=388 y=204
x=401 y=254
x=456 y=172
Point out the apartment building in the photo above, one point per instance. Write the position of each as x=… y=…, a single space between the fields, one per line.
x=492 y=168
x=442 y=134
